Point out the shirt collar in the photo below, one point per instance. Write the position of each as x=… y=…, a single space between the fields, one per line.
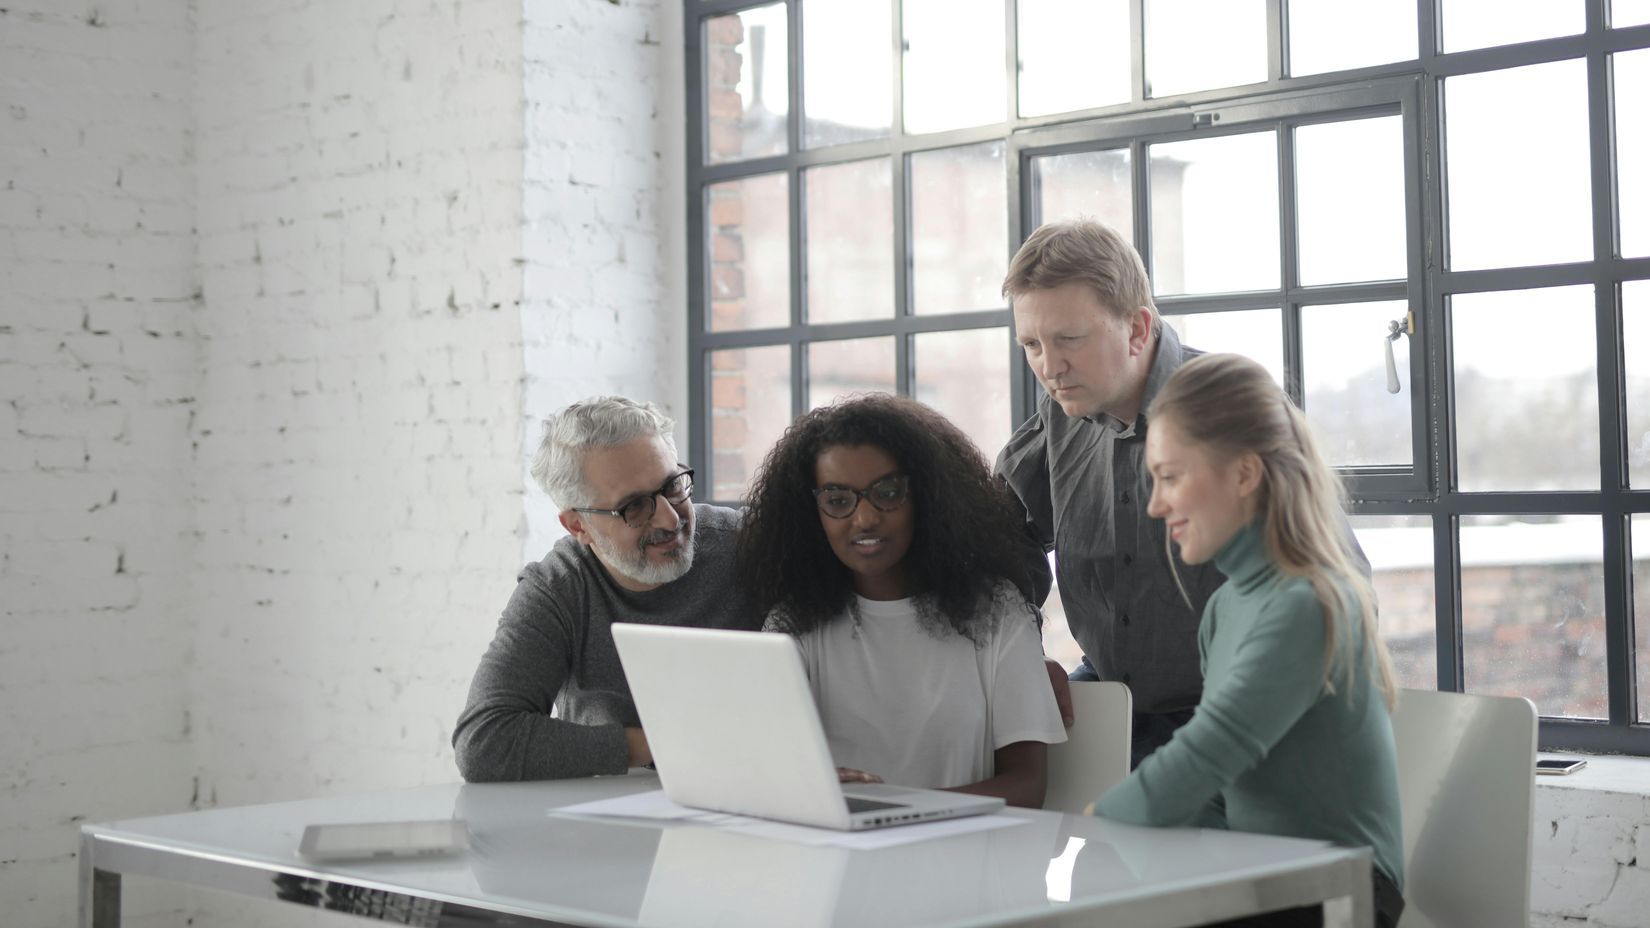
x=1170 y=355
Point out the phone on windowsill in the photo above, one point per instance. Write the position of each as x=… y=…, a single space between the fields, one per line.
x=1559 y=766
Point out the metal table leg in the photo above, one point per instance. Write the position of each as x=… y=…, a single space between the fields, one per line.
x=99 y=890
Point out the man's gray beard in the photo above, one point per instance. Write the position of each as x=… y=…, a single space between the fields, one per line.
x=635 y=565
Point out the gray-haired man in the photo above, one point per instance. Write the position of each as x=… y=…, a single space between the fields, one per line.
x=638 y=550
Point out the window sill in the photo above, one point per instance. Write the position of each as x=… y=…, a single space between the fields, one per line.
x=1604 y=773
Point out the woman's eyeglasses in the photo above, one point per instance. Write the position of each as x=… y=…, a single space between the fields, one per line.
x=887 y=494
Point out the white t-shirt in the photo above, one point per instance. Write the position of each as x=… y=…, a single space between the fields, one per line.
x=923 y=710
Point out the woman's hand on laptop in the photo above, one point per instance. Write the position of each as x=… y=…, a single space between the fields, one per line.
x=850 y=775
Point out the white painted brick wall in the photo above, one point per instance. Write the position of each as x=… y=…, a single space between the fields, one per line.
x=1592 y=850
x=358 y=432
x=604 y=304
x=370 y=243
x=358 y=437
x=97 y=386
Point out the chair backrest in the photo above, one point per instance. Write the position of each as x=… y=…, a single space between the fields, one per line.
x=1095 y=756
x=1466 y=781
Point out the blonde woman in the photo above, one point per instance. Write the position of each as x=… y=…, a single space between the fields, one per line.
x=1293 y=735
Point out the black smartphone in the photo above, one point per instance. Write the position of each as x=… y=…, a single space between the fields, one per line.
x=1559 y=766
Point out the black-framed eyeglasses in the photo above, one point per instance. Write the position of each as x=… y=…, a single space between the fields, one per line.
x=638 y=510
x=887 y=494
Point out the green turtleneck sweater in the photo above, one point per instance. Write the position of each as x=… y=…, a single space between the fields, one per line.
x=1289 y=757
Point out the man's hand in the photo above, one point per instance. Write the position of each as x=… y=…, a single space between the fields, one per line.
x=640 y=754
x=1062 y=690
x=850 y=775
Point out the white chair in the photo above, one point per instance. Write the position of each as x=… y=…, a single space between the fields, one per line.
x=1095 y=755
x=1466 y=782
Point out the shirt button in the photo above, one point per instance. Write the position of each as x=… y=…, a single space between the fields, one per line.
x=1125 y=618
x=1128 y=559
x=1125 y=678
x=1124 y=498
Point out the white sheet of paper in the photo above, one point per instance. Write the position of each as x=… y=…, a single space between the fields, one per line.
x=657 y=806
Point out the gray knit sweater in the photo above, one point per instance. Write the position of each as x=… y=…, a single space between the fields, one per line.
x=554 y=647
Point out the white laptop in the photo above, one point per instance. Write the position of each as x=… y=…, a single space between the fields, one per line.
x=732 y=726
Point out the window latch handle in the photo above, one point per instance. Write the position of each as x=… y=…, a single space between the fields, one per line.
x=1394 y=331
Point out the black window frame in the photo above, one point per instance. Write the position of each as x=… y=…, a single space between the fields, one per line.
x=1413 y=88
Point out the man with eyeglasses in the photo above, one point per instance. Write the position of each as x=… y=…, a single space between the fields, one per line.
x=638 y=550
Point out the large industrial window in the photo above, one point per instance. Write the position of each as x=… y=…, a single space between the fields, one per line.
x=1430 y=220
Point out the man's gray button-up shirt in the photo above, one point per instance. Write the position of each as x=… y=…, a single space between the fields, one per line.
x=1084 y=486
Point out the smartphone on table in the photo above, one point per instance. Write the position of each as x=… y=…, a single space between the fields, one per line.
x=1559 y=766
x=362 y=840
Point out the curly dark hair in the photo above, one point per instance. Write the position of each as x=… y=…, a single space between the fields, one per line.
x=965 y=542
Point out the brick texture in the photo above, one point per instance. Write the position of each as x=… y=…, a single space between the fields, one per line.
x=262 y=378
x=98 y=386
x=603 y=290
x=357 y=441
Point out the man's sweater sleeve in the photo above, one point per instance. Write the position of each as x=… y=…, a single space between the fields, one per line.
x=505 y=731
x=1276 y=675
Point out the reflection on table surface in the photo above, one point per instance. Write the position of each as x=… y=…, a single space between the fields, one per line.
x=528 y=859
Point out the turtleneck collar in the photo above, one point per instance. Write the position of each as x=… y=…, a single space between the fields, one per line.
x=1243 y=558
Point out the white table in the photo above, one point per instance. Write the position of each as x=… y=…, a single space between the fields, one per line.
x=530 y=867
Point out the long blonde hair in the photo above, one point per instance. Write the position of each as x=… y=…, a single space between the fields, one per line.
x=1229 y=405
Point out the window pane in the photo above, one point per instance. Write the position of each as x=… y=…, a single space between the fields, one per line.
x=1257 y=333
x=1204 y=44
x=1399 y=549
x=1350 y=178
x=1074 y=54
x=1483 y=23
x=1641 y=611
x=1532 y=611
x=1635 y=337
x=1215 y=214
x=1057 y=640
x=1333 y=35
x=1344 y=374
x=1633 y=150
x=750 y=405
x=847 y=71
x=1499 y=175
x=959 y=229
x=748 y=230
x=850 y=241
x=954 y=71
x=747 y=90
x=1526 y=386
x=965 y=375
x=1625 y=13
x=851 y=365
x=1086 y=184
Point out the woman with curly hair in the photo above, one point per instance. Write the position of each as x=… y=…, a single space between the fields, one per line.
x=876 y=536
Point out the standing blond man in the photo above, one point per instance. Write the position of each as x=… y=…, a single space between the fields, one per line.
x=1084 y=316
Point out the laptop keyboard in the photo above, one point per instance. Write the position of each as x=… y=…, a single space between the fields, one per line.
x=869 y=805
